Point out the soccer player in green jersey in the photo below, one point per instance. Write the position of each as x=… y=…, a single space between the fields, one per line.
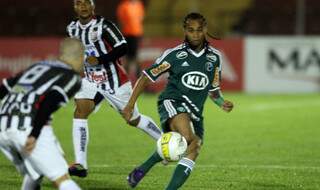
x=194 y=69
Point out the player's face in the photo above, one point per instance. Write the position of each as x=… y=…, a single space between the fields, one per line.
x=84 y=8
x=195 y=33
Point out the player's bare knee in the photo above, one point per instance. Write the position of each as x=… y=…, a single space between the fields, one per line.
x=61 y=179
x=82 y=113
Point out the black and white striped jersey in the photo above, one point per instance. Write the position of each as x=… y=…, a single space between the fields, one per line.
x=25 y=91
x=100 y=37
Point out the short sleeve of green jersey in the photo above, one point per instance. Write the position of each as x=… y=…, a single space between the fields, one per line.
x=161 y=65
x=216 y=78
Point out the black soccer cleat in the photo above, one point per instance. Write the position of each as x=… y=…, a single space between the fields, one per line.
x=78 y=170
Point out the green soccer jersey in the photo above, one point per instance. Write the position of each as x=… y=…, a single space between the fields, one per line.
x=191 y=75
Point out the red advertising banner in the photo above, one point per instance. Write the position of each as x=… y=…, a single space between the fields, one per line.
x=18 y=53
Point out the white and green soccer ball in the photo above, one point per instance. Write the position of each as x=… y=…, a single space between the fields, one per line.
x=172 y=146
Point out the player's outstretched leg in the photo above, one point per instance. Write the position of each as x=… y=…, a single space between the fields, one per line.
x=181 y=124
x=181 y=173
x=80 y=134
x=147 y=125
x=138 y=173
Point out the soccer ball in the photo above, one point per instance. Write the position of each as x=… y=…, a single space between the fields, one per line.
x=171 y=146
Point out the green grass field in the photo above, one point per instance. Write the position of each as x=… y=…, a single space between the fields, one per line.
x=267 y=142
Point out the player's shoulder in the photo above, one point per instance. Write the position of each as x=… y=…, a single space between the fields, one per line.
x=214 y=51
x=177 y=49
x=109 y=24
x=102 y=20
x=72 y=24
x=170 y=54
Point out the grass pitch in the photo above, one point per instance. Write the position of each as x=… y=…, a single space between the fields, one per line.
x=267 y=142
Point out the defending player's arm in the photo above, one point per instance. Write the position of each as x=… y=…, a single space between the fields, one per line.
x=50 y=102
x=115 y=42
x=216 y=94
x=150 y=74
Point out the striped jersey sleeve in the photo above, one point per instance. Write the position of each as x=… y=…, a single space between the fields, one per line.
x=112 y=34
x=68 y=85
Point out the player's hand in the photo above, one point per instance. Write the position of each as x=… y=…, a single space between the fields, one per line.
x=92 y=60
x=30 y=144
x=127 y=112
x=227 y=106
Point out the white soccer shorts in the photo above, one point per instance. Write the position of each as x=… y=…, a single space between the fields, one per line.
x=47 y=158
x=117 y=98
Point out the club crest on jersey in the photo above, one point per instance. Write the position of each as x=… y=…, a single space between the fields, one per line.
x=195 y=80
x=209 y=66
x=211 y=57
x=160 y=68
x=182 y=55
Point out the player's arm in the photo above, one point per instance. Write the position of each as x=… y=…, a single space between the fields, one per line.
x=139 y=87
x=49 y=104
x=217 y=97
x=115 y=42
x=150 y=74
x=215 y=92
x=59 y=94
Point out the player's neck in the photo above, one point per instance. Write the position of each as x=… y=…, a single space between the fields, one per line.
x=198 y=48
x=85 y=21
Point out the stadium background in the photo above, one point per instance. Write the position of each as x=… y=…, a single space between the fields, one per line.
x=271 y=71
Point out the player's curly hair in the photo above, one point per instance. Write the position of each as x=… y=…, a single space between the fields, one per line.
x=201 y=19
x=194 y=16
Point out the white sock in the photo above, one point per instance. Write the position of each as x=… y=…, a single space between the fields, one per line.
x=148 y=126
x=69 y=185
x=30 y=184
x=80 y=134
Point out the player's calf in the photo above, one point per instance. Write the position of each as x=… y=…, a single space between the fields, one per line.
x=185 y=165
x=194 y=147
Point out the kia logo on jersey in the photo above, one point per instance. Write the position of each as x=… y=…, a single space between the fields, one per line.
x=195 y=80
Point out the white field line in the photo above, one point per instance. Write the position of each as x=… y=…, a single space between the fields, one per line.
x=283 y=105
x=275 y=167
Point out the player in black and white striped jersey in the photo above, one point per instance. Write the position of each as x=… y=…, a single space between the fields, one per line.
x=28 y=100
x=104 y=78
